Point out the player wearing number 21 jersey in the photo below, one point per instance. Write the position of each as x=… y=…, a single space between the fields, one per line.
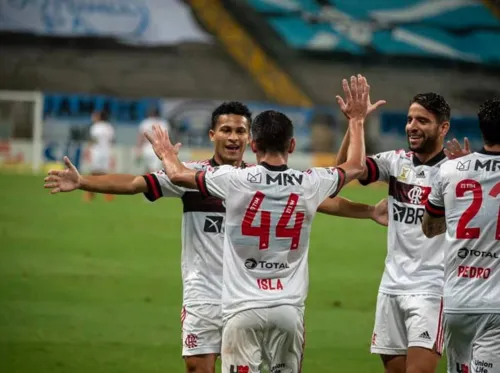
x=464 y=203
x=269 y=211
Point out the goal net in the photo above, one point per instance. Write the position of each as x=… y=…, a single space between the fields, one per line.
x=21 y=122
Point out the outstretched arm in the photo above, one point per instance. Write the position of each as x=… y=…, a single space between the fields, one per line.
x=70 y=179
x=343 y=207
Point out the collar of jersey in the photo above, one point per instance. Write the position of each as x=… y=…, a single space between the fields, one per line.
x=214 y=163
x=281 y=167
x=431 y=162
x=487 y=152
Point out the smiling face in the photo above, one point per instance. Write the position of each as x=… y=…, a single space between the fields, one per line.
x=230 y=137
x=425 y=133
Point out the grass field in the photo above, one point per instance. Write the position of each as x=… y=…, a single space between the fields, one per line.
x=96 y=287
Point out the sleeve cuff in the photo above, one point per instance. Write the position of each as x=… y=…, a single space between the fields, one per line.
x=340 y=181
x=434 y=210
x=154 y=189
x=373 y=172
x=201 y=182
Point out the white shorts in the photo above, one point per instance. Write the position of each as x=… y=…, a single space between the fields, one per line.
x=266 y=336
x=472 y=342
x=201 y=329
x=150 y=160
x=403 y=321
x=100 y=161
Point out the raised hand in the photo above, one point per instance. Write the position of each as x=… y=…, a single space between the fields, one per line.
x=346 y=105
x=454 y=149
x=160 y=141
x=63 y=181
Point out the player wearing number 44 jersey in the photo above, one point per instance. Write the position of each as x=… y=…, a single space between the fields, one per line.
x=202 y=229
x=408 y=331
x=269 y=211
x=464 y=203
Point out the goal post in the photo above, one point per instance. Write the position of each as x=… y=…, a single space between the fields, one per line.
x=21 y=129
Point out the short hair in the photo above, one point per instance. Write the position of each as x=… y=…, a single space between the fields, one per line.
x=228 y=108
x=272 y=132
x=435 y=104
x=154 y=111
x=489 y=121
x=103 y=115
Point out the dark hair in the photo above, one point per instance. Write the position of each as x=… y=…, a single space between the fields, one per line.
x=103 y=115
x=154 y=111
x=489 y=121
x=434 y=103
x=232 y=107
x=272 y=131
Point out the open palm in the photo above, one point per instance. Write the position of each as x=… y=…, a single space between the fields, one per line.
x=346 y=104
x=63 y=181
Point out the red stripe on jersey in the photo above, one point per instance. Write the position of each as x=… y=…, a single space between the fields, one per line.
x=153 y=186
x=373 y=172
x=340 y=181
x=201 y=183
x=434 y=210
x=438 y=345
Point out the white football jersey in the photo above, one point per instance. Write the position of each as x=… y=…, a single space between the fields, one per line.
x=146 y=126
x=202 y=236
x=102 y=134
x=414 y=264
x=467 y=192
x=269 y=212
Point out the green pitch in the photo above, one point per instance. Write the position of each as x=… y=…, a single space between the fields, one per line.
x=96 y=287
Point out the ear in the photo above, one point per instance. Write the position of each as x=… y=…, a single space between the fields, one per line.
x=253 y=146
x=211 y=134
x=291 y=148
x=445 y=127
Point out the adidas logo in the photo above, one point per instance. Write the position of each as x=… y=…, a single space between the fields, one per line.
x=425 y=335
x=421 y=175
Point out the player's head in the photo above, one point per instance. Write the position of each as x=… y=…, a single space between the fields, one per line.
x=153 y=112
x=100 y=116
x=489 y=121
x=230 y=130
x=427 y=123
x=272 y=133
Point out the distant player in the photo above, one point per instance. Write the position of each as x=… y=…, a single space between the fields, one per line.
x=102 y=135
x=270 y=209
x=465 y=203
x=144 y=151
x=202 y=227
x=408 y=332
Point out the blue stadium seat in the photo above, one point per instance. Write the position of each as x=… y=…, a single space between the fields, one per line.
x=443 y=29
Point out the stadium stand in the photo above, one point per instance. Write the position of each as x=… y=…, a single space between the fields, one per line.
x=177 y=71
x=461 y=30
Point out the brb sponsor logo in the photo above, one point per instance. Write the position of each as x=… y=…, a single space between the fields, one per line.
x=464 y=253
x=407 y=215
x=239 y=369
x=481 y=366
x=474 y=272
x=251 y=263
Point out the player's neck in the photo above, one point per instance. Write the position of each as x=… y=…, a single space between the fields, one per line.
x=272 y=159
x=492 y=148
x=220 y=161
x=425 y=157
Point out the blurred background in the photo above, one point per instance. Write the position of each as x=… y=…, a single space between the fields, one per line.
x=96 y=287
x=186 y=57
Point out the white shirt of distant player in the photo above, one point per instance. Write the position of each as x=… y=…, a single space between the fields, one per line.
x=146 y=126
x=102 y=135
x=469 y=190
x=269 y=213
x=414 y=264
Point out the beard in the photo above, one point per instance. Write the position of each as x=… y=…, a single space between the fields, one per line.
x=426 y=145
